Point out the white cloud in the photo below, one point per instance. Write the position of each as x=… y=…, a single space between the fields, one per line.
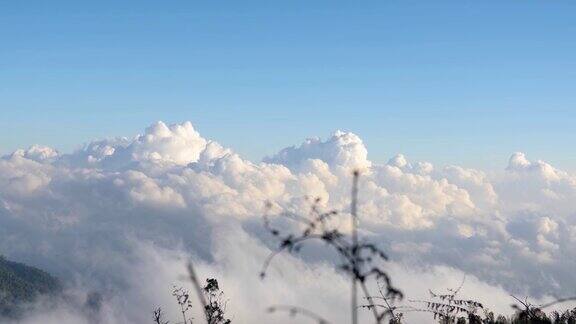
x=341 y=150
x=119 y=216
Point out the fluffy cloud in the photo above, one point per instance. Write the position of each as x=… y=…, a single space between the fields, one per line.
x=344 y=150
x=121 y=216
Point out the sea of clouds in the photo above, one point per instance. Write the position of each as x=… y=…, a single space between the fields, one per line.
x=121 y=217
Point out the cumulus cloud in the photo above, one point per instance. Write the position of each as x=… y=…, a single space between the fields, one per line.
x=341 y=150
x=121 y=216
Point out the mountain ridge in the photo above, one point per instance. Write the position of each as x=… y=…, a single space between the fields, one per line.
x=21 y=284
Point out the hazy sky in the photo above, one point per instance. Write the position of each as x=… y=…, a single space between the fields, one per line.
x=465 y=82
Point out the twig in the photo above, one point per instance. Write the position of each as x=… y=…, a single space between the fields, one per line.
x=294 y=310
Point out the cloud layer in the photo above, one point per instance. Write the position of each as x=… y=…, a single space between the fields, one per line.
x=120 y=217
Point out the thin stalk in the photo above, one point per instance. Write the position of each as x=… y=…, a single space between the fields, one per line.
x=198 y=289
x=353 y=211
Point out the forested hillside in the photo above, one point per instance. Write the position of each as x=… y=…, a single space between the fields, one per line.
x=20 y=284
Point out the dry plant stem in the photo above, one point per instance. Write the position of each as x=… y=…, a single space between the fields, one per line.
x=183 y=298
x=558 y=301
x=531 y=310
x=157 y=315
x=293 y=310
x=353 y=211
x=185 y=321
x=198 y=288
x=389 y=309
x=527 y=306
x=447 y=307
x=360 y=259
x=371 y=302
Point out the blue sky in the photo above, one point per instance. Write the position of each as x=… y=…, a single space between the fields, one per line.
x=452 y=82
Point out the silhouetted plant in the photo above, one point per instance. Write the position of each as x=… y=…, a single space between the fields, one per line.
x=566 y=317
x=210 y=296
x=157 y=315
x=360 y=259
x=183 y=299
x=447 y=308
x=527 y=313
x=215 y=306
x=386 y=304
